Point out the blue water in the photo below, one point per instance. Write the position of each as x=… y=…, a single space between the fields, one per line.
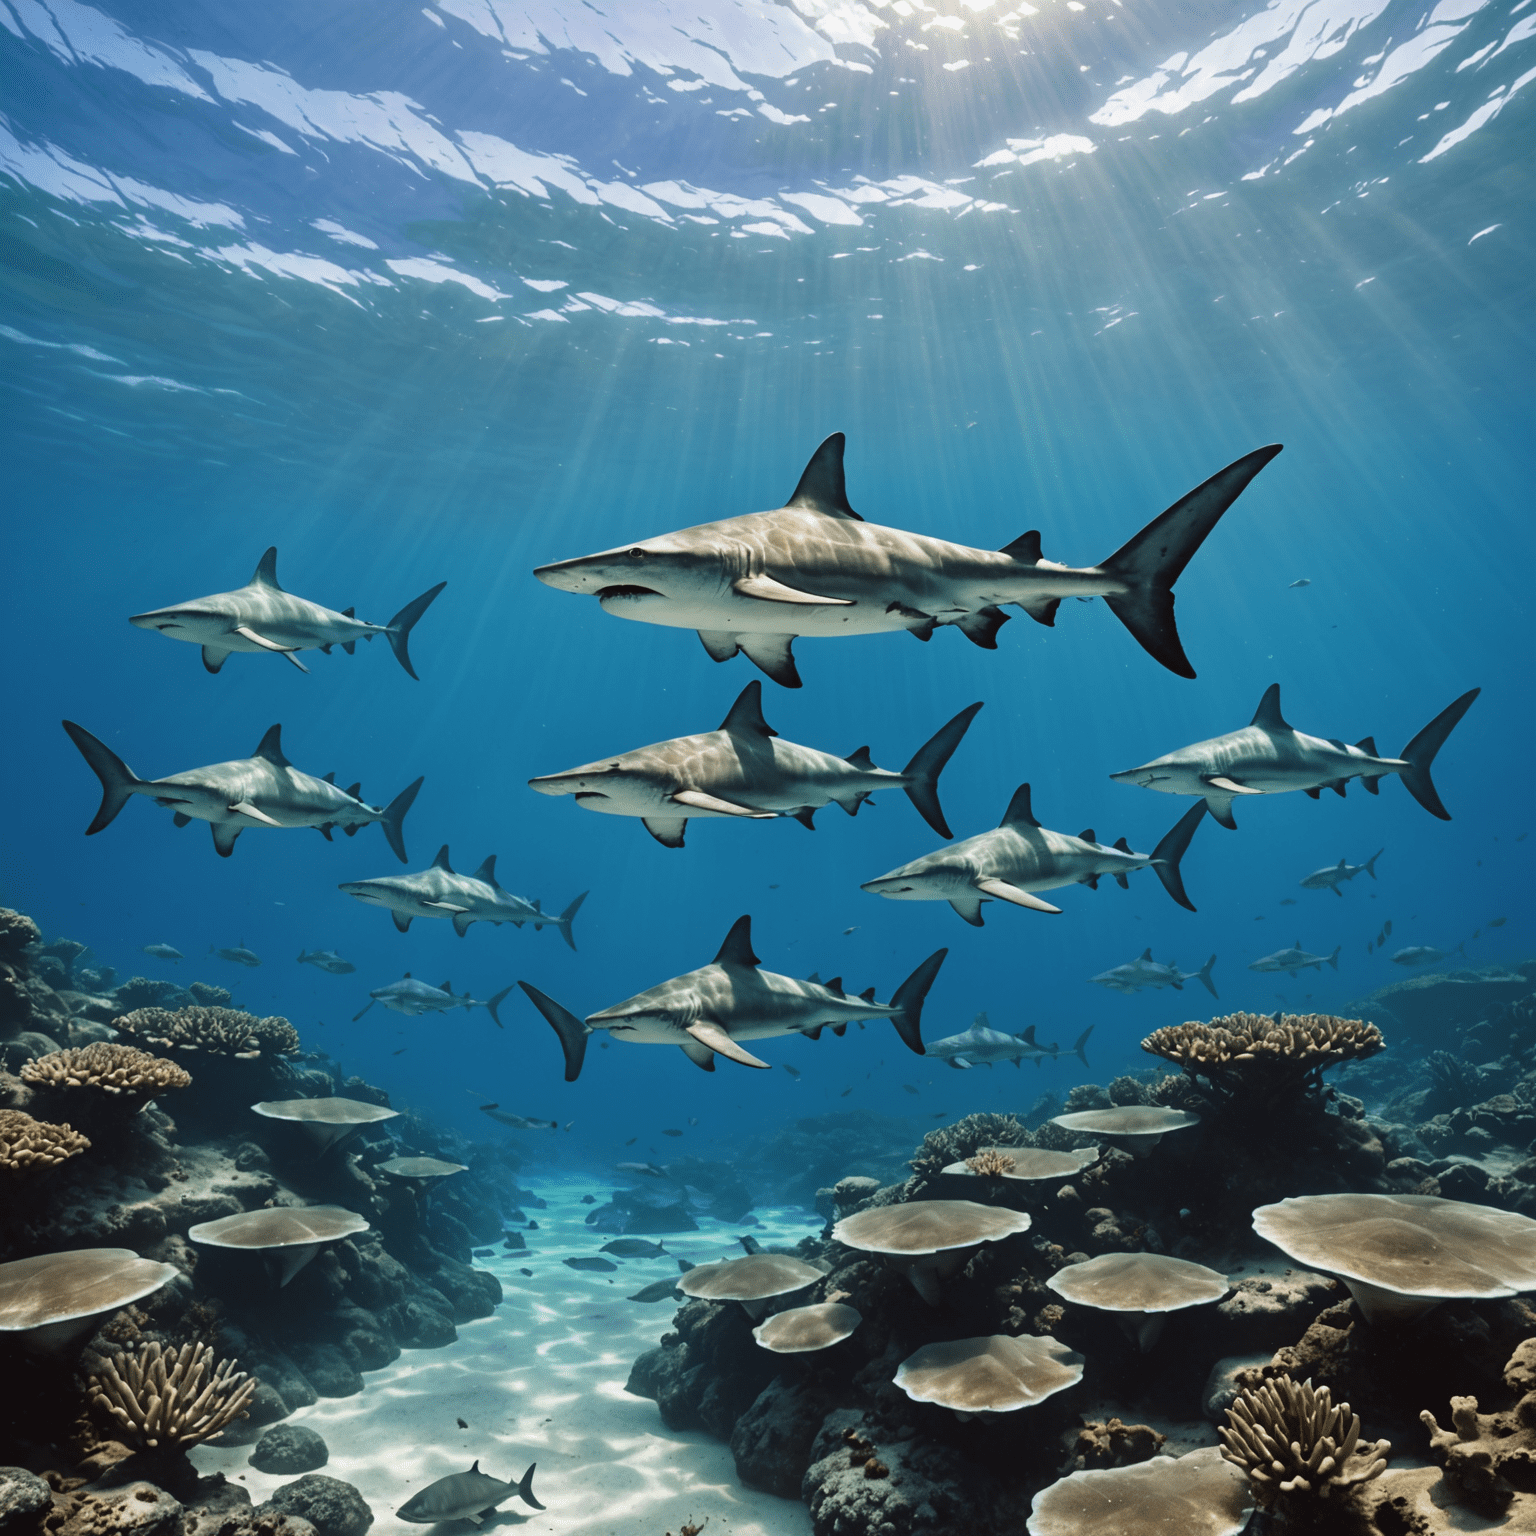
x=446 y=293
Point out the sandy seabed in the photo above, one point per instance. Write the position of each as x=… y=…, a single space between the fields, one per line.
x=542 y=1380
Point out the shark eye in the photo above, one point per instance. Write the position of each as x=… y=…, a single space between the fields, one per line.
x=637 y=554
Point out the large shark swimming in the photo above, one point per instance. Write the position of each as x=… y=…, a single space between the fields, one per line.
x=710 y=1011
x=746 y=769
x=1269 y=757
x=1020 y=857
x=263 y=790
x=260 y=616
x=815 y=568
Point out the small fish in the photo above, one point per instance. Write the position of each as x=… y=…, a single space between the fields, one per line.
x=1386 y=927
x=943 y=1114
x=632 y=1140
x=794 y=1072
x=462 y=1425
x=480 y=1253
x=517 y=1122
x=1498 y=922
x=525 y=1271
x=1303 y=581
x=464 y=1496
x=695 y=1119
x=162 y=952
x=657 y=1290
x=847 y=931
x=1287 y=901
x=401 y=1052
x=844 y=1094
x=671 y=1133
x=326 y=960
x=908 y=1088
x=650 y=1170
x=240 y=955
x=1370 y=947
x=774 y=887
x=750 y=1243
x=633 y=1248
x=569 y=1124
x=533 y=1226
x=589 y=1199
x=590 y=1261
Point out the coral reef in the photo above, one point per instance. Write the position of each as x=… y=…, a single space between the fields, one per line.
x=27 y=1144
x=219 y=1031
x=1490 y=1457
x=103 y=1068
x=165 y=1398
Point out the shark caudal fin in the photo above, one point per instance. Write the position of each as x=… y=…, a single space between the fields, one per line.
x=1080 y=1049
x=1203 y=976
x=1333 y=959
x=400 y=627
x=1370 y=864
x=1152 y=561
x=393 y=819
x=922 y=773
x=571 y=1030
x=496 y=1003
x=908 y=1002
x=118 y=780
x=1166 y=856
x=1419 y=754
x=525 y=1489
x=567 y=917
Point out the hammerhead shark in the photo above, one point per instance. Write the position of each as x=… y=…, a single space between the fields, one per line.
x=710 y=1011
x=260 y=616
x=1021 y=857
x=263 y=790
x=441 y=891
x=746 y=769
x=414 y=998
x=1331 y=876
x=814 y=567
x=1269 y=757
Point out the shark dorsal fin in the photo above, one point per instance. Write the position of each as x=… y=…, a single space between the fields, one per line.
x=737 y=949
x=1368 y=744
x=1122 y=845
x=270 y=747
x=867 y=995
x=821 y=487
x=1025 y=548
x=351 y=613
x=746 y=716
x=356 y=790
x=447 y=987
x=1267 y=716
x=1146 y=954
x=475 y=1467
x=1086 y=836
x=441 y=861
x=1018 y=813
x=1342 y=864
x=1028 y=1037
x=330 y=778
x=266 y=571
x=861 y=759
x=487 y=871
x=814 y=978
x=981 y=1021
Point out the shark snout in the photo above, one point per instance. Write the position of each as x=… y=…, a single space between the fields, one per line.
x=161 y=619
x=556 y=784
x=895 y=886
x=570 y=575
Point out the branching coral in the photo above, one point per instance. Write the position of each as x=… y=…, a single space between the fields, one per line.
x=963 y=1139
x=990 y=1162
x=169 y=1398
x=211 y=996
x=144 y=992
x=1259 y=1058
x=26 y=1143
x=1294 y=1443
x=119 y=1070
x=220 y=1031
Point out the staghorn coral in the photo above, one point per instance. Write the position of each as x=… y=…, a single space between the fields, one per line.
x=211 y=996
x=118 y=1070
x=989 y=1161
x=1295 y=1445
x=26 y=1143
x=168 y=1398
x=954 y=1143
x=1489 y=1457
x=1263 y=1059
x=220 y=1031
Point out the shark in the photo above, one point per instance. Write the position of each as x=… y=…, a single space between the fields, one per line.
x=753 y=584
x=465 y=1496
x=440 y=891
x=263 y=790
x=1331 y=876
x=1426 y=954
x=261 y=616
x=981 y=1045
x=1144 y=972
x=710 y=1011
x=1269 y=757
x=326 y=960
x=163 y=951
x=747 y=770
x=414 y=998
x=1295 y=960
x=237 y=955
x=1020 y=857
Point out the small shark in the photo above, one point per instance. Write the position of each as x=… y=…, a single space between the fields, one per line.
x=162 y=952
x=441 y=892
x=814 y=567
x=981 y=1045
x=465 y=1496
x=239 y=955
x=1425 y=954
x=260 y=616
x=1296 y=959
x=1144 y=972
x=1331 y=876
x=414 y=998
x=517 y=1122
x=712 y=1010
x=263 y=790
x=326 y=960
x=1269 y=757
x=746 y=769
x=1021 y=857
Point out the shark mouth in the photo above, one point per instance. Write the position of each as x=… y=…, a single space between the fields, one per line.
x=624 y=590
x=590 y=794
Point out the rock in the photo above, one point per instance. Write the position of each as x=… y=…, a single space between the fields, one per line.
x=1265 y=1312
x=1222 y=1386
x=333 y=1507
x=642 y=1212
x=23 y=1495
x=772 y=1439
x=138 y=1508
x=327 y=1370
x=1113 y=1444
x=289 y=1448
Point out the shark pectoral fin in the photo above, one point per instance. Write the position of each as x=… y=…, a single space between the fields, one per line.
x=180 y=819
x=969 y=908
x=224 y=835
x=960 y=1062
x=840 y=1030
x=1231 y=786
x=772 y=653
x=699 y=801
x=806 y=816
x=1220 y=807
x=711 y=1035
x=402 y=921
x=768 y=590
x=461 y=922
x=813 y=1033
x=720 y=643
x=214 y=658
x=245 y=808
x=445 y=906
x=1339 y=786
x=666 y=832
x=247 y=633
x=699 y=1055
x=1312 y=792
x=1001 y=890
x=1122 y=882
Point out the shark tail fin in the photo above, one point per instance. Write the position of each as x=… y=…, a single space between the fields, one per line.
x=1419 y=754
x=496 y=1003
x=568 y=917
x=908 y=1002
x=525 y=1489
x=118 y=780
x=922 y=773
x=1203 y=976
x=1166 y=856
x=1154 y=559
x=1370 y=864
x=1080 y=1048
x=1333 y=959
x=399 y=628
x=571 y=1030
x=393 y=819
